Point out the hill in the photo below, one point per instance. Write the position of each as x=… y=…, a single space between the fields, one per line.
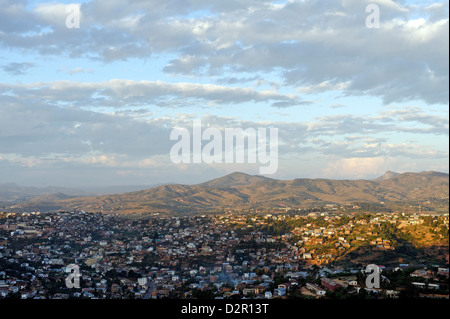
x=10 y=192
x=387 y=175
x=244 y=191
x=234 y=179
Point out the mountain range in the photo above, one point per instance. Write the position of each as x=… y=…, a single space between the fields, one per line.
x=242 y=191
x=13 y=193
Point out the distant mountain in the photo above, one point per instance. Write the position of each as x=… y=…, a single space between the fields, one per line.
x=387 y=175
x=235 y=179
x=52 y=197
x=13 y=193
x=10 y=192
x=244 y=191
x=108 y=190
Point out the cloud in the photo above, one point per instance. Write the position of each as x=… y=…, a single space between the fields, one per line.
x=336 y=105
x=350 y=136
x=15 y=18
x=315 y=45
x=74 y=71
x=52 y=132
x=414 y=114
x=247 y=54
x=122 y=93
x=15 y=68
x=324 y=86
x=126 y=146
x=356 y=167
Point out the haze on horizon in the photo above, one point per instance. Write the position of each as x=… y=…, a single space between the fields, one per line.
x=95 y=105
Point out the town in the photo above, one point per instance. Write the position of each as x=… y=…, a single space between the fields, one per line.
x=234 y=255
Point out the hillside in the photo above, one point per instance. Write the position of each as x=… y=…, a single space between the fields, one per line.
x=244 y=191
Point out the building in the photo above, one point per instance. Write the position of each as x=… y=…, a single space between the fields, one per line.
x=280 y=292
x=315 y=289
x=329 y=284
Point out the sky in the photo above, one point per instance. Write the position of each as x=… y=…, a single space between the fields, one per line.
x=95 y=104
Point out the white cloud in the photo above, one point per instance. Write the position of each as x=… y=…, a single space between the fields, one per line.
x=307 y=42
x=121 y=93
x=52 y=13
x=324 y=86
x=357 y=167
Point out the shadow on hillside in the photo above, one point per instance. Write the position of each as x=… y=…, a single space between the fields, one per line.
x=404 y=253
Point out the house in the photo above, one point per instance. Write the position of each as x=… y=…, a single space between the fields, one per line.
x=260 y=289
x=284 y=286
x=280 y=292
x=419 y=284
x=307 y=256
x=315 y=289
x=115 y=288
x=392 y=293
x=142 y=281
x=420 y=273
x=329 y=284
x=279 y=268
x=248 y=291
x=4 y=292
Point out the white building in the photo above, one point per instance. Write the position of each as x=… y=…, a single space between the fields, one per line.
x=142 y=281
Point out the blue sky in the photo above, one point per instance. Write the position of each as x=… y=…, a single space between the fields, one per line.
x=95 y=105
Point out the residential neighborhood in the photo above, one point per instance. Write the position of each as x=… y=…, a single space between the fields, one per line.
x=232 y=255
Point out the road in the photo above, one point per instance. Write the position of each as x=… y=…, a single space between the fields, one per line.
x=151 y=287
